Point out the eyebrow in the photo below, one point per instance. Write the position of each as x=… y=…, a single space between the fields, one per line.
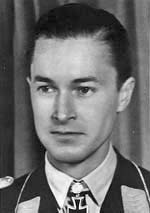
x=86 y=79
x=43 y=79
x=39 y=78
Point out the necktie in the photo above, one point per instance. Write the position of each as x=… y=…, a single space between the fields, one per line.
x=76 y=198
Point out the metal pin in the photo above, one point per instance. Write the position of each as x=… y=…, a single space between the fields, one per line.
x=6 y=181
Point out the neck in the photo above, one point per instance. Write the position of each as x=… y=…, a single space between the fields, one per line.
x=83 y=168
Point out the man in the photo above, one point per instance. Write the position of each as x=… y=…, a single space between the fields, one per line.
x=80 y=80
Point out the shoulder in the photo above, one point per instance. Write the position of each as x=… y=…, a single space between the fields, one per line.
x=9 y=195
x=132 y=173
x=133 y=182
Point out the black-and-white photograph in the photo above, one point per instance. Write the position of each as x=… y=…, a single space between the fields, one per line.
x=74 y=106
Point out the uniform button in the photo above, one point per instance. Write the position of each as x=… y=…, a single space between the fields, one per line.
x=6 y=181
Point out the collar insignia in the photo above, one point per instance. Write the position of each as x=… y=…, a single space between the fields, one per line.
x=29 y=206
x=134 y=200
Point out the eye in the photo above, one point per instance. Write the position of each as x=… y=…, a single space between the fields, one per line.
x=85 y=91
x=46 y=89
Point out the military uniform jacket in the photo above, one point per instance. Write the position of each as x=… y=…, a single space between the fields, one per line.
x=36 y=196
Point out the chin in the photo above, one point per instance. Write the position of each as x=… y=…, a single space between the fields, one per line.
x=68 y=158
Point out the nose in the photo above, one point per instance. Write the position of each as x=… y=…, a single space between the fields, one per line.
x=64 y=108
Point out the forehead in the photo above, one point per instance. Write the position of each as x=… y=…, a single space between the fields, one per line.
x=72 y=56
x=80 y=45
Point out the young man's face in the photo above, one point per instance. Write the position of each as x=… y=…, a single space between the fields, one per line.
x=74 y=98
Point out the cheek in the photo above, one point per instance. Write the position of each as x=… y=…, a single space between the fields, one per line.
x=41 y=109
x=99 y=112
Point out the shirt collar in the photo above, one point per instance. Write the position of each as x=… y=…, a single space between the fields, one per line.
x=98 y=180
x=58 y=181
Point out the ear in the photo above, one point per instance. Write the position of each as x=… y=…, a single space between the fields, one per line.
x=28 y=81
x=28 y=78
x=125 y=94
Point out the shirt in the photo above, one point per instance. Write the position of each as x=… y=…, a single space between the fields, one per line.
x=98 y=181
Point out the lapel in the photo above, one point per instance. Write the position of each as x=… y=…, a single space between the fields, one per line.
x=125 y=174
x=113 y=201
x=37 y=187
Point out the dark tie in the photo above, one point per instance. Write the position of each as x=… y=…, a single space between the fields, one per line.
x=76 y=198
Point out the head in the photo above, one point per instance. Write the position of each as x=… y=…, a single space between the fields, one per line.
x=80 y=80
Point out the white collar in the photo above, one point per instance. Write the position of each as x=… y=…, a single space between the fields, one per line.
x=98 y=180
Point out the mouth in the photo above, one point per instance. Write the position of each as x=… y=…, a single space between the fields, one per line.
x=66 y=133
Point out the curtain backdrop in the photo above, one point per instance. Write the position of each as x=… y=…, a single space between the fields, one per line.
x=132 y=135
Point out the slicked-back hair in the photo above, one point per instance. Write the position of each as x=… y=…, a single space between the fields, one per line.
x=80 y=20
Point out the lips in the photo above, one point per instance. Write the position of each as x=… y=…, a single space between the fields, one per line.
x=66 y=133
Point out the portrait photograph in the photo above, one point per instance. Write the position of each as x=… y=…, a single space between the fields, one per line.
x=74 y=106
